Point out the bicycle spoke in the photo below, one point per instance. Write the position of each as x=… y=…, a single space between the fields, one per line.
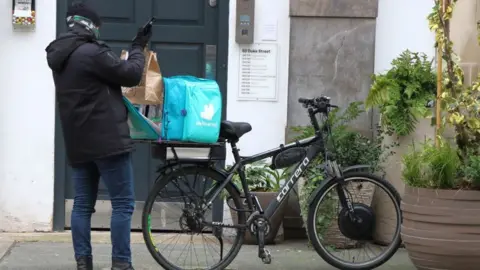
x=178 y=204
x=343 y=241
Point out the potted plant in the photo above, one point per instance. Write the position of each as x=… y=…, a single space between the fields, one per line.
x=351 y=148
x=264 y=183
x=441 y=205
x=402 y=95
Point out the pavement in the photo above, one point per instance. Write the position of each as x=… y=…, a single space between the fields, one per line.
x=53 y=251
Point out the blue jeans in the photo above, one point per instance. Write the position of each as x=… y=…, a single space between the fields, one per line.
x=117 y=174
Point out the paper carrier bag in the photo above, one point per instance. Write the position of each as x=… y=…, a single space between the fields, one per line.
x=150 y=89
x=141 y=128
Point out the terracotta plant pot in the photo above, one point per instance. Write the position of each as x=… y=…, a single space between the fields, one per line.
x=276 y=233
x=441 y=228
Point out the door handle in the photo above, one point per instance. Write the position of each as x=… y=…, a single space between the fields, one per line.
x=212 y=3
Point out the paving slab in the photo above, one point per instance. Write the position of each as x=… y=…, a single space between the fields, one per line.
x=286 y=256
x=6 y=243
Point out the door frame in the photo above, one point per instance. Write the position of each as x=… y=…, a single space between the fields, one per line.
x=60 y=158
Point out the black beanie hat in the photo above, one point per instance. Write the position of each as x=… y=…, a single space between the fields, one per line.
x=82 y=8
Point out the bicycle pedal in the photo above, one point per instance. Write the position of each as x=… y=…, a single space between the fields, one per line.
x=266 y=256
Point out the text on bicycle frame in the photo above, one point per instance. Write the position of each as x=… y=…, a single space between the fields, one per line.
x=298 y=172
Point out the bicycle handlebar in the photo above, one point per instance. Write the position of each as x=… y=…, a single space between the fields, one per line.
x=316 y=105
x=321 y=103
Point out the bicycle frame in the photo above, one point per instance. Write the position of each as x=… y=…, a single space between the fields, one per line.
x=258 y=220
x=316 y=146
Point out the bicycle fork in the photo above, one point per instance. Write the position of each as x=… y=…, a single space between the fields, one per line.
x=334 y=169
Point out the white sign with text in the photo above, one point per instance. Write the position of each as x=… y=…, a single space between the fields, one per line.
x=258 y=72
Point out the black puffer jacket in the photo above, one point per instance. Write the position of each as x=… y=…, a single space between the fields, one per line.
x=88 y=76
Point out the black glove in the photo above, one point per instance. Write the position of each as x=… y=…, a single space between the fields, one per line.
x=142 y=38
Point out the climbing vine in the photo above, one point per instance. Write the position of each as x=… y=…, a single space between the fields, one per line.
x=459 y=103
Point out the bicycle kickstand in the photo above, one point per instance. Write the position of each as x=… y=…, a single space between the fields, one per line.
x=263 y=253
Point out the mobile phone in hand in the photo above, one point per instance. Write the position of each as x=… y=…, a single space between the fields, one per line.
x=148 y=26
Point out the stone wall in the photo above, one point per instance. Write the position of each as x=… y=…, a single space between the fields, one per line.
x=331 y=53
x=463 y=31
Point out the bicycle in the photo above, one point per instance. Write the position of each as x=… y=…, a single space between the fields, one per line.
x=355 y=220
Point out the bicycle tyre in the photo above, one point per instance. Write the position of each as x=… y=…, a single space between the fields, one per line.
x=160 y=184
x=311 y=223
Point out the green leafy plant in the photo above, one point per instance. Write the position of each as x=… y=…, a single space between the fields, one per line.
x=428 y=166
x=449 y=165
x=339 y=124
x=471 y=170
x=339 y=121
x=440 y=167
x=260 y=178
x=402 y=93
x=348 y=148
x=323 y=218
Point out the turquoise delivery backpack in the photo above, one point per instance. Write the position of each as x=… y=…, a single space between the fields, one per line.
x=141 y=128
x=192 y=109
x=173 y=108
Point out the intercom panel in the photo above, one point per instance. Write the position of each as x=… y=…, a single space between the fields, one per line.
x=245 y=21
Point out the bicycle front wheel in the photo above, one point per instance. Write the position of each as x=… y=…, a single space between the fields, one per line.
x=188 y=240
x=369 y=238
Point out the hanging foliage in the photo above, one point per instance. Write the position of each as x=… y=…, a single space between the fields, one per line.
x=403 y=91
x=460 y=103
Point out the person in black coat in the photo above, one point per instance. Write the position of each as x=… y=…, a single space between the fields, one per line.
x=88 y=77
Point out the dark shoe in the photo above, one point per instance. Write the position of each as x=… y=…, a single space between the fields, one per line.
x=84 y=263
x=119 y=265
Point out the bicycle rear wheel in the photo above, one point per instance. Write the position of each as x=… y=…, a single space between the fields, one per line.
x=182 y=192
x=334 y=233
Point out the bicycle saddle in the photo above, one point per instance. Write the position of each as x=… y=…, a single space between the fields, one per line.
x=234 y=130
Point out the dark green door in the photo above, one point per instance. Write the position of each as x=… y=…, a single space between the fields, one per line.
x=188 y=39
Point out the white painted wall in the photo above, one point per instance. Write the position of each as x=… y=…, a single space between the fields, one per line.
x=26 y=123
x=401 y=25
x=27 y=115
x=27 y=111
x=268 y=119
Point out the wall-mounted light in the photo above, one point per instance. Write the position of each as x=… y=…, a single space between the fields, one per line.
x=23 y=14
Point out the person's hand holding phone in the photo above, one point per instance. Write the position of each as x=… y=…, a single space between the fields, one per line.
x=143 y=35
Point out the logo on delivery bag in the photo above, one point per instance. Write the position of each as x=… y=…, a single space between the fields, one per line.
x=207 y=114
